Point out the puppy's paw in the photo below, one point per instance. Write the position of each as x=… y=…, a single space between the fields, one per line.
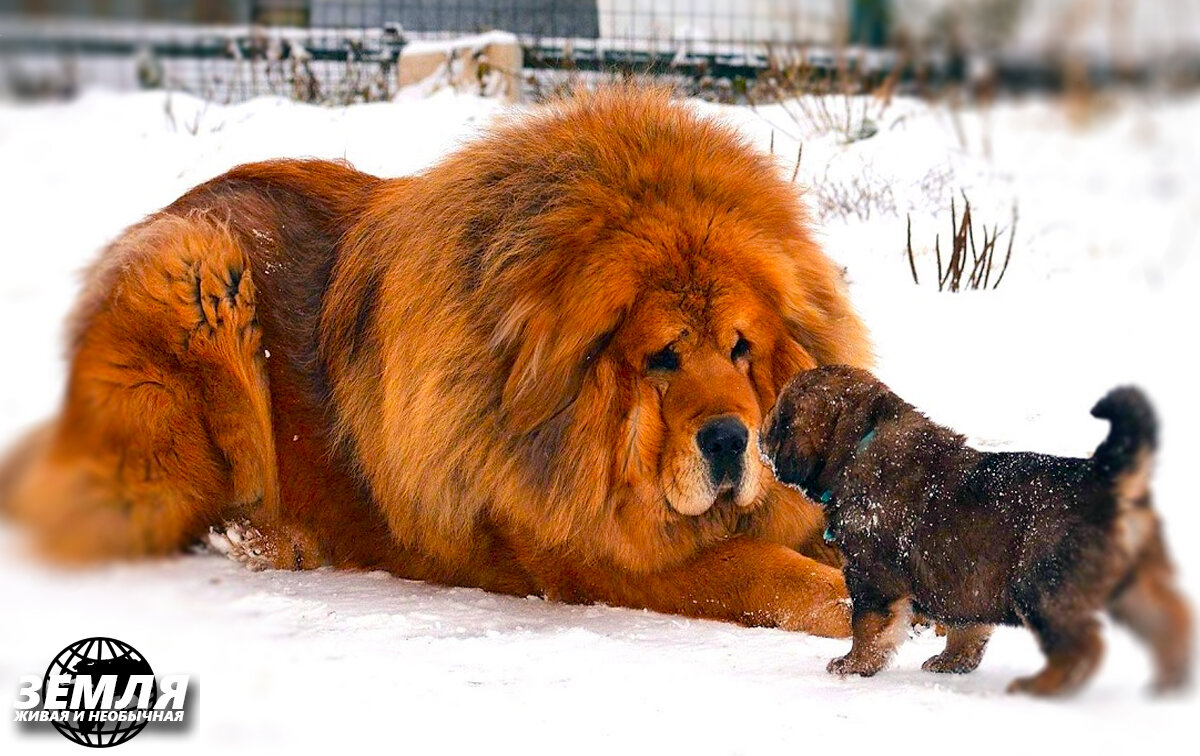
x=850 y=665
x=1040 y=685
x=956 y=664
x=1172 y=683
x=1022 y=685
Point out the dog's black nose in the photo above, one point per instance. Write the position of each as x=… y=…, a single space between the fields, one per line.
x=722 y=441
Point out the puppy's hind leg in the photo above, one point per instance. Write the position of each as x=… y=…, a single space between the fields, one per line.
x=1069 y=636
x=965 y=645
x=1151 y=606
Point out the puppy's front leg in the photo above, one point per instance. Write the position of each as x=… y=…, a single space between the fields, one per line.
x=877 y=633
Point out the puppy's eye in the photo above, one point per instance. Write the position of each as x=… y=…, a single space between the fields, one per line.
x=665 y=360
x=740 y=349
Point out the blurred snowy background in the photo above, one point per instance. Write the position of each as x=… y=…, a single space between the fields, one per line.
x=1082 y=117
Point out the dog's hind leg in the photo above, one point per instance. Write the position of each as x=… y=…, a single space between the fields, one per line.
x=15 y=465
x=965 y=645
x=1149 y=604
x=1069 y=636
x=166 y=421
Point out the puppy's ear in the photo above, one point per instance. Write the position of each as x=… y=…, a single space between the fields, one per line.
x=794 y=438
x=874 y=404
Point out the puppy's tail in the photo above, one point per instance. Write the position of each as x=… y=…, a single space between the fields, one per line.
x=1128 y=452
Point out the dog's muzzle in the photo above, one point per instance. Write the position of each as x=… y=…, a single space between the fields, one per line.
x=722 y=442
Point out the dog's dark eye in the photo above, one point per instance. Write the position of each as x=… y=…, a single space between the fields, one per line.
x=664 y=359
x=740 y=349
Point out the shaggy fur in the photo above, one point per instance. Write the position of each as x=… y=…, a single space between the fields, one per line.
x=493 y=374
x=975 y=539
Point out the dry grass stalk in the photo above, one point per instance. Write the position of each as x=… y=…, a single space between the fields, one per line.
x=974 y=261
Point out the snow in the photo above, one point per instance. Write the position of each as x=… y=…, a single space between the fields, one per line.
x=1101 y=291
x=458 y=44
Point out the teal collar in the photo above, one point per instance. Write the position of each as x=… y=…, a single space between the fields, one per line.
x=827 y=494
x=865 y=441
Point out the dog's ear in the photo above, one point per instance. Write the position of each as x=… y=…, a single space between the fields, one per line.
x=829 y=339
x=787 y=360
x=887 y=405
x=554 y=319
x=817 y=311
x=551 y=352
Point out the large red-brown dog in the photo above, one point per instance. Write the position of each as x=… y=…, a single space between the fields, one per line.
x=540 y=366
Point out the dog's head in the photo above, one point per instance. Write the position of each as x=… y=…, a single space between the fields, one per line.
x=820 y=421
x=702 y=356
x=654 y=305
x=666 y=358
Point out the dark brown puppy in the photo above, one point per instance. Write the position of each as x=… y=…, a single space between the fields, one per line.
x=975 y=539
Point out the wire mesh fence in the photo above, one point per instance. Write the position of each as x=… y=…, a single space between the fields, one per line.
x=342 y=51
x=220 y=63
x=347 y=50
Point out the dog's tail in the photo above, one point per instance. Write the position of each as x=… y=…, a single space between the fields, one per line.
x=16 y=462
x=1127 y=455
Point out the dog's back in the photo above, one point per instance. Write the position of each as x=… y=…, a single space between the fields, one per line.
x=1115 y=479
x=1069 y=510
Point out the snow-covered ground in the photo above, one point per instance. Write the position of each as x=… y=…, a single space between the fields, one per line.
x=1101 y=290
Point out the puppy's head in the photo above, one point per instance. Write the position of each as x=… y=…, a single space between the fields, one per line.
x=819 y=420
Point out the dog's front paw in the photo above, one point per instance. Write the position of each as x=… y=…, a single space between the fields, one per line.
x=851 y=665
x=214 y=298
